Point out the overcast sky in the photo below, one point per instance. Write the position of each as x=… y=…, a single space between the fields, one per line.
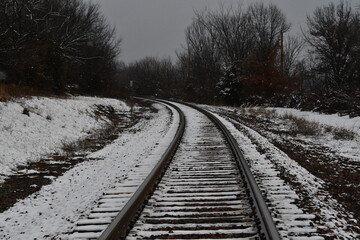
x=156 y=27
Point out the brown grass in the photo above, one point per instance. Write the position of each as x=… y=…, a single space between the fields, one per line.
x=343 y=134
x=306 y=128
x=8 y=91
x=69 y=148
x=303 y=126
x=4 y=95
x=261 y=111
x=310 y=128
x=298 y=125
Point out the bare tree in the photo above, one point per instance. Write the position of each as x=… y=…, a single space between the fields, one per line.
x=201 y=60
x=152 y=76
x=268 y=23
x=49 y=43
x=334 y=38
x=242 y=45
x=292 y=48
x=230 y=31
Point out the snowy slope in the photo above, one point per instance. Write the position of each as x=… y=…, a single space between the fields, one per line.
x=260 y=164
x=352 y=124
x=53 y=210
x=52 y=123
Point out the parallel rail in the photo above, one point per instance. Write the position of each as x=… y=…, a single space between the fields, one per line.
x=267 y=226
x=119 y=228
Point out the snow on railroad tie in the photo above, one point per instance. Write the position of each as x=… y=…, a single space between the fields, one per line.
x=291 y=221
x=109 y=206
x=56 y=209
x=113 y=200
x=201 y=194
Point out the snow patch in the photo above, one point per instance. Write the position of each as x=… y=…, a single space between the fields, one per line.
x=54 y=209
x=52 y=122
x=352 y=124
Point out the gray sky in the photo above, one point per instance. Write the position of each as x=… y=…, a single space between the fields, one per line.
x=156 y=27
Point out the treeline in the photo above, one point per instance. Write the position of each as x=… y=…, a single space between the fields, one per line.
x=234 y=56
x=55 y=45
x=245 y=55
x=152 y=77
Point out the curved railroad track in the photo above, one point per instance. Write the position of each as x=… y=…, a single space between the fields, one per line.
x=207 y=191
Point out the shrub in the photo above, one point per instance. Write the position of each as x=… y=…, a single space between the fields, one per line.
x=3 y=93
x=343 y=134
x=8 y=91
x=69 y=147
x=307 y=128
x=303 y=126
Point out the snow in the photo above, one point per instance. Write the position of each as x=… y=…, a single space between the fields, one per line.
x=51 y=212
x=259 y=163
x=343 y=147
x=114 y=200
x=189 y=169
x=52 y=123
x=56 y=207
x=347 y=148
x=334 y=120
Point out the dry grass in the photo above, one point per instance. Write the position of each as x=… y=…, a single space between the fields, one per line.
x=261 y=111
x=241 y=110
x=8 y=91
x=69 y=148
x=298 y=125
x=343 y=134
x=4 y=95
x=302 y=126
x=75 y=147
x=310 y=128
x=253 y=111
x=306 y=128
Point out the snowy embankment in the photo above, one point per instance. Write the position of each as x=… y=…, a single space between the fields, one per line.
x=50 y=123
x=341 y=134
x=334 y=120
x=261 y=165
x=56 y=207
x=345 y=147
x=316 y=154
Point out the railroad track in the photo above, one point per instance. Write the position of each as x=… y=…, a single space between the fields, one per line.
x=202 y=188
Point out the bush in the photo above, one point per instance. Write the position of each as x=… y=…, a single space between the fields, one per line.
x=343 y=134
x=8 y=91
x=303 y=126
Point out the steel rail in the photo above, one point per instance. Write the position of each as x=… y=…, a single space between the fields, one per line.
x=267 y=226
x=119 y=227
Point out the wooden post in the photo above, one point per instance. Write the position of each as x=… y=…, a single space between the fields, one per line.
x=131 y=97
x=282 y=53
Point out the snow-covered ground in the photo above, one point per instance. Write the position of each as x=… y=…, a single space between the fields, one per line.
x=348 y=148
x=52 y=122
x=56 y=207
x=260 y=164
x=321 y=167
x=328 y=127
x=51 y=212
x=334 y=120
